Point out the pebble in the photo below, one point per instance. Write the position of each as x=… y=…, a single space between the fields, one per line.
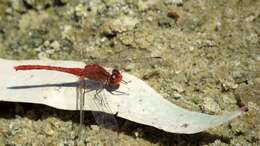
x=229 y=100
x=174 y=15
x=178 y=2
x=119 y=25
x=211 y=105
x=257 y=57
x=81 y=10
x=94 y=127
x=18 y=5
x=55 y=45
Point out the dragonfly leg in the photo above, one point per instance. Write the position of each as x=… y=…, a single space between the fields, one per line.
x=116 y=92
x=125 y=82
x=98 y=97
x=82 y=99
x=102 y=99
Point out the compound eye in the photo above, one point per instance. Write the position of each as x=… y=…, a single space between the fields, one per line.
x=113 y=77
x=115 y=71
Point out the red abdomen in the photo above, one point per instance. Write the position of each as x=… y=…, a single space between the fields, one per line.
x=91 y=71
x=74 y=71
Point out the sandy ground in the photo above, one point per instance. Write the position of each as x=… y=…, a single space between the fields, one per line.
x=202 y=55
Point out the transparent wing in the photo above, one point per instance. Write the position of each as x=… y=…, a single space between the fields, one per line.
x=106 y=120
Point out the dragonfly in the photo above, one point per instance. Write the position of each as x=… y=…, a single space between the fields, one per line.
x=95 y=72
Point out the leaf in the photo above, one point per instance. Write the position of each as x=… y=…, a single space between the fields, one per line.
x=142 y=104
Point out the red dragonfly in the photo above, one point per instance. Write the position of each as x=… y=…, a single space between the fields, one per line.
x=91 y=71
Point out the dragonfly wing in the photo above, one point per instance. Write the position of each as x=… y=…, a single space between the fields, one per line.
x=106 y=120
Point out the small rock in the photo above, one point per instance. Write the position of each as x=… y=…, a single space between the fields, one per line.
x=81 y=10
x=229 y=85
x=191 y=48
x=138 y=133
x=253 y=106
x=150 y=18
x=9 y=11
x=48 y=130
x=257 y=57
x=55 y=45
x=129 y=67
x=50 y=51
x=218 y=26
x=39 y=4
x=121 y=24
x=18 y=5
x=165 y=22
x=176 y=95
x=210 y=105
x=239 y=127
x=178 y=2
x=14 y=128
x=46 y=43
x=178 y=87
x=174 y=15
x=43 y=55
x=32 y=20
x=218 y=143
x=66 y=32
x=142 y=6
x=229 y=100
x=94 y=127
x=151 y=75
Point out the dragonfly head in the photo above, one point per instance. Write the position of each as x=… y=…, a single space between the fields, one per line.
x=115 y=78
